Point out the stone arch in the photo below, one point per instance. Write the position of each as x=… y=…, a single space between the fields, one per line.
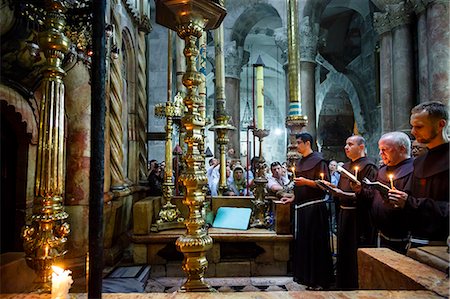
x=27 y=109
x=249 y=18
x=335 y=123
x=338 y=81
x=19 y=137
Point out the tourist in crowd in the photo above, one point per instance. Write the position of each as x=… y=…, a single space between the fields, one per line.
x=238 y=183
x=418 y=149
x=155 y=181
x=334 y=180
x=354 y=223
x=312 y=262
x=426 y=198
x=277 y=181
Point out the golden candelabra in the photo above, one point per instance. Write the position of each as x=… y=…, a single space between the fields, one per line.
x=221 y=126
x=45 y=235
x=169 y=216
x=260 y=203
x=189 y=18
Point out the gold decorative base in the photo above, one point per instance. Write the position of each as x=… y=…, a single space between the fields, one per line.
x=157 y=227
x=197 y=286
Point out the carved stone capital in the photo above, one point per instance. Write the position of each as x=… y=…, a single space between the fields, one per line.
x=309 y=36
x=234 y=60
x=381 y=22
x=144 y=24
x=399 y=14
x=420 y=6
x=280 y=37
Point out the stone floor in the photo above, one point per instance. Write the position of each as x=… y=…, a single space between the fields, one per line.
x=229 y=284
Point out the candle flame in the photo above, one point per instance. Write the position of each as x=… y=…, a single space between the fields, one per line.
x=391 y=176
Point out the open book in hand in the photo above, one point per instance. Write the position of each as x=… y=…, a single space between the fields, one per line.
x=384 y=189
x=324 y=185
x=350 y=176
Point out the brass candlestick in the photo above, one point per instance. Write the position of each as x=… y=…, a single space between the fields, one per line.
x=169 y=216
x=189 y=18
x=221 y=125
x=45 y=236
x=260 y=203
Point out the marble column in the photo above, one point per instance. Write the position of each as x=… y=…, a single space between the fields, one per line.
x=422 y=51
x=308 y=50
x=402 y=64
x=382 y=27
x=233 y=67
x=144 y=29
x=115 y=122
x=78 y=116
x=438 y=50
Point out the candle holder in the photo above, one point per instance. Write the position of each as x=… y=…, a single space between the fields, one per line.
x=169 y=216
x=260 y=211
x=189 y=18
x=45 y=235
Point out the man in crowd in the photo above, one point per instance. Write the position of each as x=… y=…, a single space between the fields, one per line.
x=354 y=225
x=391 y=222
x=427 y=196
x=334 y=180
x=312 y=263
x=278 y=181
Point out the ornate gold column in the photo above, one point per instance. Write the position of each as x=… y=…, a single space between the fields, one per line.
x=295 y=121
x=221 y=119
x=189 y=18
x=45 y=237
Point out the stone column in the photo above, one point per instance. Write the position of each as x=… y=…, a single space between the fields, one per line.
x=144 y=29
x=308 y=50
x=402 y=64
x=422 y=51
x=78 y=115
x=438 y=50
x=233 y=67
x=382 y=27
x=115 y=122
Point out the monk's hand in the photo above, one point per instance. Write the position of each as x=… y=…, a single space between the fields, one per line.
x=336 y=192
x=397 y=198
x=300 y=181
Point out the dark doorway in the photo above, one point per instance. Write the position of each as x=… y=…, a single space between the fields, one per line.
x=13 y=167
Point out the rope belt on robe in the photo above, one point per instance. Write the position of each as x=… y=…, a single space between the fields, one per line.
x=300 y=206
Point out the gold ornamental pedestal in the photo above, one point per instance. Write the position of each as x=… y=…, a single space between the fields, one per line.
x=189 y=18
x=46 y=233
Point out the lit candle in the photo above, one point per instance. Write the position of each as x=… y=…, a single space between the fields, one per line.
x=321 y=176
x=356 y=172
x=61 y=282
x=293 y=171
x=391 y=179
